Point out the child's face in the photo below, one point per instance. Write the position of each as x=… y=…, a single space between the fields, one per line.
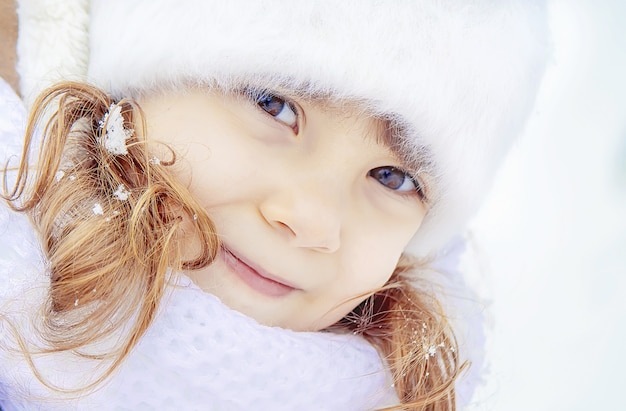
x=310 y=211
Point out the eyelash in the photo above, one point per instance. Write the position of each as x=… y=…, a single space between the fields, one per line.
x=418 y=189
x=290 y=118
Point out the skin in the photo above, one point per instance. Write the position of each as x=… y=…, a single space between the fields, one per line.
x=8 y=39
x=293 y=198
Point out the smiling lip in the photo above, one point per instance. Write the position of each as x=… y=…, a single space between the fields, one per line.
x=256 y=278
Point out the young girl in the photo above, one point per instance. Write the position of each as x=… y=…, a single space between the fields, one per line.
x=226 y=203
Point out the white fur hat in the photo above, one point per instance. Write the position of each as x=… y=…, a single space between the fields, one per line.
x=458 y=77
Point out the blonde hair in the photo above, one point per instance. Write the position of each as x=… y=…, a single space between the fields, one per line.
x=115 y=253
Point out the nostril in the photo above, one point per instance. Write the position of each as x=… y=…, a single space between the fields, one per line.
x=285 y=227
x=314 y=236
x=304 y=221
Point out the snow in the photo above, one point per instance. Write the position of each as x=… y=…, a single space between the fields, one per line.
x=116 y=135
x=121 y=193
x=553 y=231
x=97 y=209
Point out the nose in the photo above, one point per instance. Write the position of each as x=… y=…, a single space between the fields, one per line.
x=305 y=216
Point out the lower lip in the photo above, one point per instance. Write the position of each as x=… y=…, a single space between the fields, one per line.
x=253 y=279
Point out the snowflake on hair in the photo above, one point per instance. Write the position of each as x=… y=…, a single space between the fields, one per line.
x=121 y=193
x=97 y=209
x=116 y=134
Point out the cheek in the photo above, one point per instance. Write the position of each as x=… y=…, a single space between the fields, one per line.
x=373 y=269
x=388 y=221
x=368 y=265
x=367 y=274
x=220 y=171
x=372 y=256
x=370 y=262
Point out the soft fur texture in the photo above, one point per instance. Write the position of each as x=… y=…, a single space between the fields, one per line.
x=52 y=43
x=460 y=78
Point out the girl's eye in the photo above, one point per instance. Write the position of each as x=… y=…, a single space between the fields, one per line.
x=277 y=107
x=396 y=179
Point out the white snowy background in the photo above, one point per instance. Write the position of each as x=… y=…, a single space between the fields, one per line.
x=553 y=232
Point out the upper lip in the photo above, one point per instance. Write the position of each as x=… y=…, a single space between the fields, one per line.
x=260 y=271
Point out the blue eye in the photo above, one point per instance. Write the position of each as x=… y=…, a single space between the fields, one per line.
x=277 y=107
x=396 y=179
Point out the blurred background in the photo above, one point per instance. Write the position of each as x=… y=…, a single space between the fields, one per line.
x=552 y=236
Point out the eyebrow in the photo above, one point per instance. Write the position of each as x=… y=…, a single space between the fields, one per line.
x=415 y=158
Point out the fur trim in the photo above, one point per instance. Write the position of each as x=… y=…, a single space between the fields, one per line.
x=460 y=80
x=52 y=43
